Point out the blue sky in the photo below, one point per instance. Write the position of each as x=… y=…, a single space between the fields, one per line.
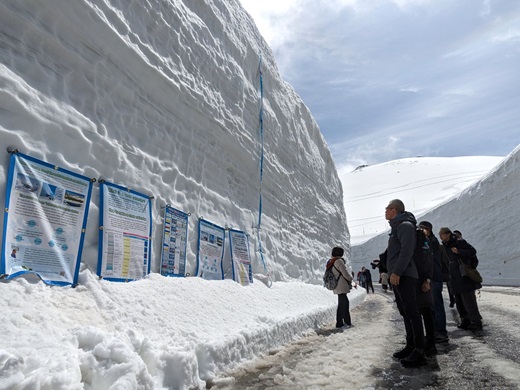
x=388 y=79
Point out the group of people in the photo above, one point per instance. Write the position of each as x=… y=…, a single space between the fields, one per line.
x=364 y=278
x=418 y=295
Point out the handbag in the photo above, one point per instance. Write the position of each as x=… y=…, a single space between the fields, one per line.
x=469 y=272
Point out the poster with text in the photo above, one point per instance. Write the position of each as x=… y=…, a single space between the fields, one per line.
x=45 y=217
x=173 y=256
x=210 y=251
x=240 y=257
x=125 y=221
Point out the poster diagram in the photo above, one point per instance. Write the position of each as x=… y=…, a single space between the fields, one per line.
x=44 y=221
x=210 y=251
x=240 y=257
x=173 y=256
x=124 y=234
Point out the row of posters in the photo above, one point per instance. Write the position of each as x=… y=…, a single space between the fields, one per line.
x=45 y=220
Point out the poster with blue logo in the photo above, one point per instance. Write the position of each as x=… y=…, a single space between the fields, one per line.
x=125 y=229
x=240 y=257
x=210 y=251
x=173 y=256
x=45 y=217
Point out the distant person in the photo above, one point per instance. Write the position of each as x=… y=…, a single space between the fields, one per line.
x=462 y=287
x=343 y=288
x=440 y=275
x=384 y=281
x=368 y=279
x=457 y=234
x=361 y=278
x=403 y=276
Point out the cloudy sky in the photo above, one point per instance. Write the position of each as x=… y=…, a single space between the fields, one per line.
x=389 y=79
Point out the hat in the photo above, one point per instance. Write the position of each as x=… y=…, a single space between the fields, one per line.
x=425 y=225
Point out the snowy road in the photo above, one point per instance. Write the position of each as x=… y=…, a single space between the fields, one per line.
x=361 y=357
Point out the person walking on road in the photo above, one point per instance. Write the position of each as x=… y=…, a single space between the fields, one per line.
x=368 y=279
x=343 y=319
x=462 y=287
x=404 y=277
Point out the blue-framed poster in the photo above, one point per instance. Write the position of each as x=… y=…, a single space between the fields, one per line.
x=45 y=217
x=125 y=230
x=210 y=251
x=173 y=255
x=240 y=257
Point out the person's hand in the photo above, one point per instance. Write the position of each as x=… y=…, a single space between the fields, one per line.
x=394 y=279
x=425 y=286
x=455 y=250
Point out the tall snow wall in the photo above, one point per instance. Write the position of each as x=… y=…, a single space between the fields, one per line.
x=163 y=97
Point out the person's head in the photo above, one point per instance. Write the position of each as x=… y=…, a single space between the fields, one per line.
x=445 y=233
x=337 y=251
x=426 y=226
x=395 y=207
x=363 y=269
x=458 y=234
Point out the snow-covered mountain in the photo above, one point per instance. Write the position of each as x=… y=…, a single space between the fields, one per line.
x=422 y=183
x=485 y=212
x=164 y=98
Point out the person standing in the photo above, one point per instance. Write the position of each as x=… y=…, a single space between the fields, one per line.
x=368 y=279
x=404 y=276
x=440 y=275
x=384 y=281
x=462 y=287
x=343 y=288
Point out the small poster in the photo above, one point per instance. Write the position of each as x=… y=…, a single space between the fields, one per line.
x=125 y=228
x=240 y=257
x=173 y=257
x=45 y=217
x=210 y=251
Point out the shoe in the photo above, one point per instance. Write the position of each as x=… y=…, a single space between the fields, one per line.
x=475 y=326
x=416 y=359
x=406 y=351
x=441 y=339
x=346 y=326
x=430 y=350
x=464 y=325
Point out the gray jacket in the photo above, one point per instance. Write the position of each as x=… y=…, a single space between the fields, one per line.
x=339 y=267
x=401 y=246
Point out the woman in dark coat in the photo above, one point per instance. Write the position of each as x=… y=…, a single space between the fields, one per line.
x=461 y=286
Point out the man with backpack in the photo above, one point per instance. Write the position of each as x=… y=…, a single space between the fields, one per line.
x=342 y=288
x=404 y=276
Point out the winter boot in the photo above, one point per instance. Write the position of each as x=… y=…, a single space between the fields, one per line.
x=430 y=349
x=464 y=325
x=475 y=326
x=416 y=359
x=406 y=351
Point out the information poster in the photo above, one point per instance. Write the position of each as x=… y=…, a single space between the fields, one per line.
x=124 y=234
x=210 y=251
x=240 y=257
x=45 y=217
x=173 y=257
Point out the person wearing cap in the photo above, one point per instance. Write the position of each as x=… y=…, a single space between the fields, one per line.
x=440 y=275
x=458 y=234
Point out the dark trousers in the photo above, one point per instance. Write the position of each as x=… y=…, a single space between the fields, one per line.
x=369 y=285
x=467 y=307
x=439 y=314
x=429 y=324
x=343 y=312
x=406 y=299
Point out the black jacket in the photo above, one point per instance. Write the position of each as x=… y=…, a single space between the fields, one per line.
x=401 y=246
x=468 y=255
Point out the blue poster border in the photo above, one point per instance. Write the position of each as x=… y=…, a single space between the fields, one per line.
x=100 y=236
x=10 y=179
x=186 y=216
x=203 y=221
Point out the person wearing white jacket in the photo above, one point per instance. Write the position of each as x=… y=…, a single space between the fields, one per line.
x=342 y=289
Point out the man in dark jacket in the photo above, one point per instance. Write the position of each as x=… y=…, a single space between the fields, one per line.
x=440 y=275
x=404 y=276
x=462 y=287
